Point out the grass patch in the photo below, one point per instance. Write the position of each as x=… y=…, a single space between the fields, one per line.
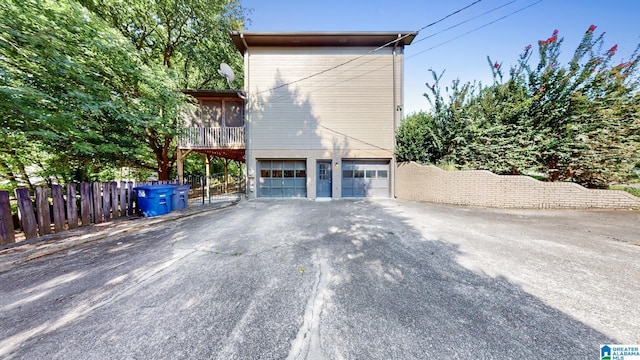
x=631 y=190
x=447 y=165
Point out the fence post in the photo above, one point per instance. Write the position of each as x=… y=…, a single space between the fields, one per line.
x=85 y=203
x=97 y=202
x=26 y=214
x=114 y=199
x=72 y=206
x=106 y=200
x=7 y=234
x=202 y=182
x=58 y=208
x=42 y=210
x=123 y=198
x=130 y=197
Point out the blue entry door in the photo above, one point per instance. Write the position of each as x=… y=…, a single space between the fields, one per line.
x=323 y=179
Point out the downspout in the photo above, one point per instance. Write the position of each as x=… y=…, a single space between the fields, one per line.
x=247 y=118
x=395 y=114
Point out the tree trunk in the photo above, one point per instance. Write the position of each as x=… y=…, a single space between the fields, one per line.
x=161 y=146
x=165 y=163
x=225 y=164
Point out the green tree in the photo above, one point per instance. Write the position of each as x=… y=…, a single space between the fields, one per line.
x=418 y=139
x=585 y=114
x=578 y=122
x=73 y=91
x=189 y=37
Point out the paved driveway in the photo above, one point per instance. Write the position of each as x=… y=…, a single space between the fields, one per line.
x=343 y=279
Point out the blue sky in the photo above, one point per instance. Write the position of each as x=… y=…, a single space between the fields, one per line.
x=464 y=58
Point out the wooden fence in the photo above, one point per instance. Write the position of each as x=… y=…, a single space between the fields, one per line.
x=59 y=208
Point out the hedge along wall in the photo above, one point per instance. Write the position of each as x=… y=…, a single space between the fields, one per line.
x=484 y=188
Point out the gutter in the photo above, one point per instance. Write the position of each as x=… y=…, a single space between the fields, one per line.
x=247 y=120
x=395 y=113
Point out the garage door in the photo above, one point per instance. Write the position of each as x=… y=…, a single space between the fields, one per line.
x=282 y=178
x=365 y=178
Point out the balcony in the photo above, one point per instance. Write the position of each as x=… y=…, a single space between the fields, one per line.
x=215 y=126
x=211 y=138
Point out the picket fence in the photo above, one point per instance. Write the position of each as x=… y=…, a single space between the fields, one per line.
x=54 y=210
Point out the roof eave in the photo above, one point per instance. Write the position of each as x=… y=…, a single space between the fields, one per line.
x=244 y=40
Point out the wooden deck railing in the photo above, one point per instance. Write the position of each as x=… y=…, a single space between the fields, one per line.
x=212 y=138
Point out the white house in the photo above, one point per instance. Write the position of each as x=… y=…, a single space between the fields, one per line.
x=320 y=113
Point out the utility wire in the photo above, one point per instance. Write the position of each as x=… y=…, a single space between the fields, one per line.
x=371 y=51
x=448 y=16
x=356 y=139
x=414 y=55
x=319 y=86
x=336 y=66
x=280 y=98
x=473 y=30
x=463 y=22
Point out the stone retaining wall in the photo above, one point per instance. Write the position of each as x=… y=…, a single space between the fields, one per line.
x=486 y=189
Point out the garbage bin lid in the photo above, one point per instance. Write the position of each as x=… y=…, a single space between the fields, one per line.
x=154 y=187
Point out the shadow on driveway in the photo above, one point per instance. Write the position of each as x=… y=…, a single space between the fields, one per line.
x=278 y=279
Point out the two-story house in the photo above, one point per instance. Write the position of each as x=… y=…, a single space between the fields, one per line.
x=320 y=113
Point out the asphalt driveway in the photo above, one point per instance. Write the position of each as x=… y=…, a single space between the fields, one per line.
x=338 y=280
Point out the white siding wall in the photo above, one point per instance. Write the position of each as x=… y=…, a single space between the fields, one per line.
x=345 y=109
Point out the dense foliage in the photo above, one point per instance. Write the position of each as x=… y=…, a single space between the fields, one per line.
x=73 y=93
x=576 y=122
x=188 y=37
x=87 y=89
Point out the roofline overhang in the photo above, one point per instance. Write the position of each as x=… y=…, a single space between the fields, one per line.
x=200 y=93
x=246 y=40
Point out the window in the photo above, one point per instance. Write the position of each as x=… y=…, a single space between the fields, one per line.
x=211 y=113
x=371 y=174
x=276 y=173
x=382 y=174
x=265 y=173
x=347 y=174
x=233 y=114
x=358 y=174
x=301 y=174
x=288 y=173
x=219 y=113
x=191 y=116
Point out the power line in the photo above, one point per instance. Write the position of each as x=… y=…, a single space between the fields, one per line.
x=474 y=30
x=448 y=16
x=414 y=55
x=356 y=139
x=313 y=88
x=371 y=51
x=324 y=86
x=463 y=22
x=336 y=66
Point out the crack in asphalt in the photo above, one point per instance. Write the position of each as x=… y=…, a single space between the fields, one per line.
x=307 y=345
x=241 y=253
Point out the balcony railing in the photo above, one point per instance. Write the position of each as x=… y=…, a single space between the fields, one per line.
x=212 y=138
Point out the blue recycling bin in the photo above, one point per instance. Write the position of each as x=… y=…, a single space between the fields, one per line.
x=154 y=200
x=180 y=197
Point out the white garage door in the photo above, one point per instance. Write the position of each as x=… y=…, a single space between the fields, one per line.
x=282 y=178
x=365 y=178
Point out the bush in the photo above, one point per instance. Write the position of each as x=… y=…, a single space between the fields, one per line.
x=578 y=122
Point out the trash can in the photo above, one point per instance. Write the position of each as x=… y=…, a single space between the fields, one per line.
x=180 y=197
x=154 y=200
